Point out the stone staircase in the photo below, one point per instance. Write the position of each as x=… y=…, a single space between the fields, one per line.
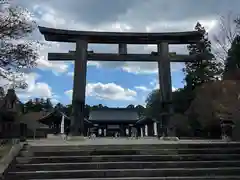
x=128 y=162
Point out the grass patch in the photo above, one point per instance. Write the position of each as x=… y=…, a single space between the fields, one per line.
x=4 y=150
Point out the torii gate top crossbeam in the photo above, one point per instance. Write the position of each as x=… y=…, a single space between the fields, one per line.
x=61 y=35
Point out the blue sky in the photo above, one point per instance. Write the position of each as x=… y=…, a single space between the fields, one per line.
x=137 y=82
x=114 y=84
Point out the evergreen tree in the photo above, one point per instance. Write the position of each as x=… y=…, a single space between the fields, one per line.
x=28 y=106
x=94 y=107
x=100 y=106
x=87 y=110
x=130 y=106
x=68 y=110
x=42 y=102
x=181 y=101
x=153 y=104
x=232 y=63
x=59 y=107
x=37 y=106
x=201 y=70
x=140 y=110
x=48 y=104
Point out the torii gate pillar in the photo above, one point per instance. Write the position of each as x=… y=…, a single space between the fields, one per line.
x=79 y=88
x=164 y=74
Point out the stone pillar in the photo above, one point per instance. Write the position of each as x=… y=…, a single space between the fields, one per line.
x=122 y=49
x=130 y=131
x=105 y=132
x=146 y=130
x=164 y=71
x=88 y=130
x=85 y=130
x=138 y=131
x=79 y=88
x=99 y=132
x=122 y=130
x=127 y=132
x=143 y=128
x=142 y=132
x=150 y=129
x=155 y=128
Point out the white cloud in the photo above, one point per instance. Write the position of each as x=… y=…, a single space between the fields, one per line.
x=54 y=101
x=55 y=67
x=70 y=73
x=69 y=93
x=137 y=67
x=48 y=15
x=143 y=88
x=109 y=91
x=184 y=25
x=155 y=85
x=51 y=18
x=39 y=89
x=140 y=68
x=174 y=89
x=130 y=67
x=35 y=89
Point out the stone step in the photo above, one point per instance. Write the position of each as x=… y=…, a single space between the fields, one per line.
x=131 y=152
x=112 y=173
x=124 y=165
x=115 y=158
x=160 y=178
x=134 y=146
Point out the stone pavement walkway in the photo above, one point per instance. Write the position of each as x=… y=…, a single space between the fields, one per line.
x=113 y=141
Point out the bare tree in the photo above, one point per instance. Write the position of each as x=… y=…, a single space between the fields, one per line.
x=17 y=51
x=229 y=28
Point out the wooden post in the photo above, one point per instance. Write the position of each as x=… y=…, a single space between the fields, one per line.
x=79 y=88
x=122 y=49
x=34 y=133
x=164 y=71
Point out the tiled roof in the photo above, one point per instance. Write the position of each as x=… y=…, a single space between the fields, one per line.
x=111 y=114
x=33 y=116
x=144 y=119
x=31 y=119
x=50 y=115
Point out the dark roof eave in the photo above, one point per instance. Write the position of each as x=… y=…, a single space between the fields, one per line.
x=52 y=114
x=61 y=35
x=118 y=120
x=144 y=119
x=87 y=121
x=46 y=116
